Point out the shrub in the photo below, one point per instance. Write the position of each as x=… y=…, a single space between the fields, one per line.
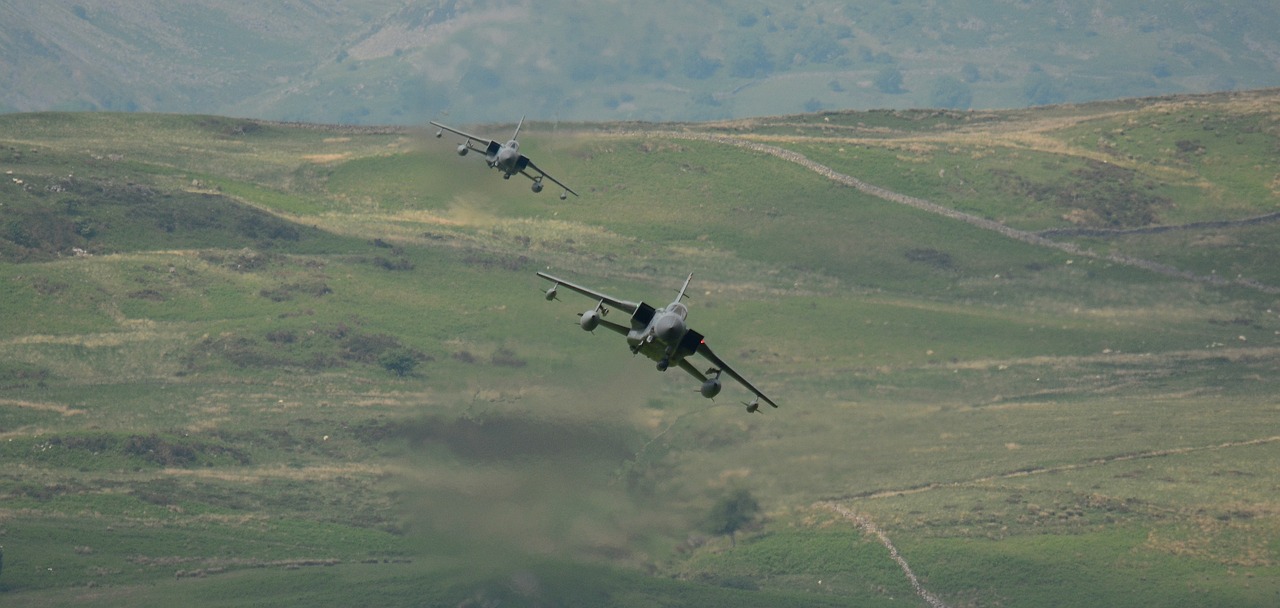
x=400 y=361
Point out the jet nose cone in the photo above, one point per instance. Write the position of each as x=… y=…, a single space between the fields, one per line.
x=669 y=328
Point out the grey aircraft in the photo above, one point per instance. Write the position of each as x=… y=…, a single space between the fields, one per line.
x=660 y=334
x=504 y=157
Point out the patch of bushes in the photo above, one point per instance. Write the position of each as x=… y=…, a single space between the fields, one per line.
x=230 y=127
x=932 y=257
x=366 y=348
x=149 y=295
x=314 y=349
x=241 y=351
x=46 y=287
x=393 y=263
x=54 y=216
x=245 y=260
x=488 y=261
x=153 y=448
x=286 y=292
x=37 y=234
x=21 y=375
x=282 y=336
x=1099 y=195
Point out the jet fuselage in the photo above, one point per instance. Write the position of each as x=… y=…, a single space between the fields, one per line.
x=506 y=158
x=660 y=339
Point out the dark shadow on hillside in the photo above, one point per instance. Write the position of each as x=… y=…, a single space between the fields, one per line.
x=510 y=437
x=51 y=217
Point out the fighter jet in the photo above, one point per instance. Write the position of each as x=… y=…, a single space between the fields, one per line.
x=504 y=157
x=660 y=334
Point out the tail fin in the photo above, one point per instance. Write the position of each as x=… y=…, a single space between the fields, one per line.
x=518 y=125
x=685 y=288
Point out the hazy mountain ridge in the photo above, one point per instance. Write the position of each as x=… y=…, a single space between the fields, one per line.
x=153 y=55
x=394 y=61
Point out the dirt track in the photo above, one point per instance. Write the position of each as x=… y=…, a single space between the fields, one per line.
x=869 y=527
x=973 y=220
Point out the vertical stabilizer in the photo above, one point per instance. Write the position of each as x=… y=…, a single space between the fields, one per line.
x=685 y=288
x=518 y=125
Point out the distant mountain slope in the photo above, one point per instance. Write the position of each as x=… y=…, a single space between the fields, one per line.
x=155 y=55
x=397 y=61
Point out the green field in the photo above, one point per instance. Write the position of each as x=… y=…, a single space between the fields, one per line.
x=197 y=315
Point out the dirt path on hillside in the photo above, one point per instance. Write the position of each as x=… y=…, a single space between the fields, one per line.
x=869 y=527
x=973 y=220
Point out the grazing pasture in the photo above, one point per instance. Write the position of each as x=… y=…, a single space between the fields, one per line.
x=1022 y=358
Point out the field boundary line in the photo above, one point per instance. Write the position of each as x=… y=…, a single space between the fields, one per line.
x=1024 y=236
x=1096 y=462
x=870 y=528
x=1256 y=220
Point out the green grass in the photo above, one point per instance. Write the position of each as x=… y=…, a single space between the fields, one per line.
x=834 y=561
x=203 y=391
x=1121 y=573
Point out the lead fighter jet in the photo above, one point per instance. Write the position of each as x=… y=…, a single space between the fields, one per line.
x=504 y=157
x=660 y=334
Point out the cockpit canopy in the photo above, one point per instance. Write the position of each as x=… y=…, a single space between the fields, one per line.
x=679 y=309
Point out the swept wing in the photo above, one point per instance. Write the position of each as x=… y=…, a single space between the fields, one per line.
x=489 y=148
x=526 y=163
x=629 y=307
x=705 y=351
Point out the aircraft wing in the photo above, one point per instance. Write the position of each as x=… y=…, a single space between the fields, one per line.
x=526 y=162
x=693 y=371
x=705 y=351
x=614 y=327
x=629 y=307
x=464 y=134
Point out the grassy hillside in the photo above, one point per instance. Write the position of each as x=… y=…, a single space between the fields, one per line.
x=403 y=61
x=1031 y=353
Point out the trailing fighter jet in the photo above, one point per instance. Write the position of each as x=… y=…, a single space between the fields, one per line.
x=660 y=334
x=504 y=157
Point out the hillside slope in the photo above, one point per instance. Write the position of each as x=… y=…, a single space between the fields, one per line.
x=402 y=61
x=1026 y=356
